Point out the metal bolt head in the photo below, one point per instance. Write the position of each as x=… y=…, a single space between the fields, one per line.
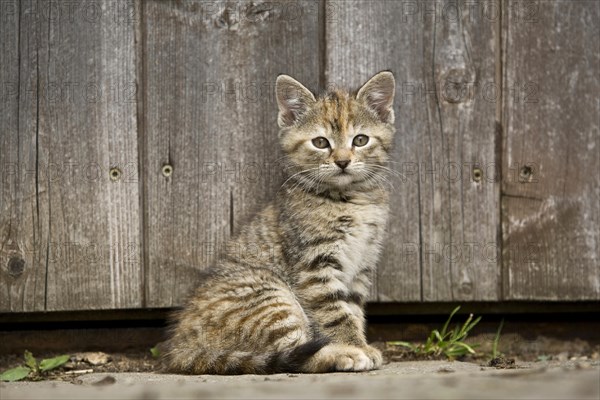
x=477 y=174
x=526 y=173
x=167 y=170
x=114 y=174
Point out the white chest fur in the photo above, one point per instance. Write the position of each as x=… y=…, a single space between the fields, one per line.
x=361 y=245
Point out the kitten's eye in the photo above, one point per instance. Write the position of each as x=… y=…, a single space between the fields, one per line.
x=360 y=140
x=320 y=142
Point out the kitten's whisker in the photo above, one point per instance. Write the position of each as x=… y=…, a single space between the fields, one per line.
x=400 y=162
x=283 y=161
x=382 y=178
x=307 y=183
x=296 y=174
x=281 y=158
x=371 y=176
x=304 y=181
x=319 y=181
x=397 y=162
x=390 y=171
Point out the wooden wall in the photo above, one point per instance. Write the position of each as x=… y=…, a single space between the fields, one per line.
x=137 y=136
x=69 y=234
x=551 y=150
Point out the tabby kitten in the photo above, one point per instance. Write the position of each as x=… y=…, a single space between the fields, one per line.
x=301 y=310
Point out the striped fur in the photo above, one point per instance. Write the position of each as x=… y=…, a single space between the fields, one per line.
x=300 y=307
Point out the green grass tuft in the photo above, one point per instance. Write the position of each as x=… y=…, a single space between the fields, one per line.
x=495 y=352
x=449 y=343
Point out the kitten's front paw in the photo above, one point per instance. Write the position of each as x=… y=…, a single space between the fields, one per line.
x=374 y=355
x=339 y=357
x=353 y=359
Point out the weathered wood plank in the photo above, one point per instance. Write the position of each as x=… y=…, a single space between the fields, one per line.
x=551 y=213
x=460 y=239
x=70 y=236
x=356 y=33
x=22 y=227
x=210 y=113
x=444 y=224
x=77 y=120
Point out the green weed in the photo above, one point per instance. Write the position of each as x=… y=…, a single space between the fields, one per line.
x=450 y=343
x=155 y=352
x=495 y=352
x=32 y=368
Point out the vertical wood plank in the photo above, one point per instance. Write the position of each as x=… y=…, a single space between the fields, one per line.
x=551 y=213
x=463 y=46
x=22 y=227
x=363 y=38
x=210 y=113
x=442 y=242
x=77 y=120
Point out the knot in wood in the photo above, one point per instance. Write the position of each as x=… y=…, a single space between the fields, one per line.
x=457 y=86
x=16 y=266
x=466 y=288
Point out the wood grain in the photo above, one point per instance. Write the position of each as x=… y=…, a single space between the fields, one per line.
x=76 y=121
x=443 y=224
x=354 y=44
x=463 y=209
x=496 y=146
x=23 y=223
x=210 y=112
x=551 y=213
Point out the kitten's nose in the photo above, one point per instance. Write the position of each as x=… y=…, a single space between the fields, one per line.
x=342 y=163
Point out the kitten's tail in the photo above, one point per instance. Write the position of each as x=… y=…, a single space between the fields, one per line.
x=293 y=360
x=234 y=362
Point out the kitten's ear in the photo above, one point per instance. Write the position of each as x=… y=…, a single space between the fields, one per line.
x=293 y=100
x=378 y=95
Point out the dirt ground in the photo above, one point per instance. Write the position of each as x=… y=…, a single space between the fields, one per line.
x=515 y=354
x=397 y=380
x=528 y=369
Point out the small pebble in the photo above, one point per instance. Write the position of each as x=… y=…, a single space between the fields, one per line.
x=97 y=358
x=69 y=365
